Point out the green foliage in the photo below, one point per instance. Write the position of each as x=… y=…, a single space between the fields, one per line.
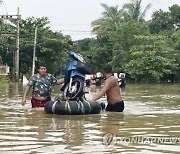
x=145 y=51
x=50 y=46
x=130 y=46
x=133 y=11
x=175 y=37
x=126 y=33
x=165 y=21
x=7 y=48
x=4 y=79
x=150 y=59
x=110 y=20
x=49 y=49
x=175 y=43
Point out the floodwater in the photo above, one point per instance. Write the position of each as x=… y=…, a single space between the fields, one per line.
x=149 y=124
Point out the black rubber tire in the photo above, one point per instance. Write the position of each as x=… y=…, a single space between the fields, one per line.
x=74 y=107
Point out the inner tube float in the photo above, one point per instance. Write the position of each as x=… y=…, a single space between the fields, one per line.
x=73 y=107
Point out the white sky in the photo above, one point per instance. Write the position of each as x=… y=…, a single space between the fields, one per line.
x=72 y=17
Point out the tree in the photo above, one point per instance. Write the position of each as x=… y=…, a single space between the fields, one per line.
x=175 y=43
x=122 y=41
x=151 y=59
x=7 y=42
x=133 y=11
x=125 y=36
x=161 y=21
x=165 y=20
x=49 y=48
x=175 y=16
x=110 y=20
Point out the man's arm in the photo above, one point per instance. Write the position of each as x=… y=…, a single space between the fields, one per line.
x=23 y=101
x=103 y=91
x=60 y=81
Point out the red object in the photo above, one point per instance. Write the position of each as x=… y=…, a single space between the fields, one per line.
x=38 y=103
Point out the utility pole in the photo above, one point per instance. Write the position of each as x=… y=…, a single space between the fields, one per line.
x=16 y=35
x=34 y=51
x=17 y=49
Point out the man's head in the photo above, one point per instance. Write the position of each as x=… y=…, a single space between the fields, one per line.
x=107 y=69
x=42 y=69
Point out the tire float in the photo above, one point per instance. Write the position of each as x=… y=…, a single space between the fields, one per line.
x=73 y=107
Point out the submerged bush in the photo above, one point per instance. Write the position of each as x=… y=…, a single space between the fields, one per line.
x=4 y=79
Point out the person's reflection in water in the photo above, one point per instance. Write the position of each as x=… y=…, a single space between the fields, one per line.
x=39 y=120
x=36 y=120
x=73 y=128
x=112 y=122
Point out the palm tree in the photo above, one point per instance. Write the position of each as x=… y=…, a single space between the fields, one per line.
x=110 y=20
x=133 y=10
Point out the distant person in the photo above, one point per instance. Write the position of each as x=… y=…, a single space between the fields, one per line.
x=93 y=79
x=112 y=90
x=122 y=80
x=41 y=87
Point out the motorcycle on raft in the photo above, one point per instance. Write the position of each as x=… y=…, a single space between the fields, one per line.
x=75 y=72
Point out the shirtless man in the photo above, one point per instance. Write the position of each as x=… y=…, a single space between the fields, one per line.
x=112 y=90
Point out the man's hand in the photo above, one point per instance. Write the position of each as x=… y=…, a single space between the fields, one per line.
x=23 y=101
x=62 y=98
x=60 y=81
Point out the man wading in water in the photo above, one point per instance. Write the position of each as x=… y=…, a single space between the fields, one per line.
x=41 y=87
x=112 y=90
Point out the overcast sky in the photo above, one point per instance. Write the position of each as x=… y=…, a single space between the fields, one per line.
x=72 y=17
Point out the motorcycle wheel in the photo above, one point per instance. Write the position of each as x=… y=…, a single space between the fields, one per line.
x=77 y=86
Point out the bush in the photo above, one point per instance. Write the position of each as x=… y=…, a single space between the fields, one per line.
x=4 y=79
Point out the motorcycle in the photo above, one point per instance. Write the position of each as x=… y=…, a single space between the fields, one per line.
x=75 y=72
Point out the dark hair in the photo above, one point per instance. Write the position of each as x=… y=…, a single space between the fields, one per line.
x=107 y=68
x=40 y=65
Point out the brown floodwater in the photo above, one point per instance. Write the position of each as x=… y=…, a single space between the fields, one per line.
x=150 y=123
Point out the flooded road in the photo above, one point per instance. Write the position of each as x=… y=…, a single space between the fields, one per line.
x=149 y=124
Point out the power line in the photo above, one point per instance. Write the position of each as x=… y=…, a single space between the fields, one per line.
x=72 y=28
x=76 y=31
x=72 y=24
